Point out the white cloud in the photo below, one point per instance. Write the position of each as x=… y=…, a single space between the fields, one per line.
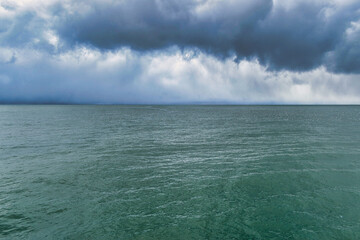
x=126 y=76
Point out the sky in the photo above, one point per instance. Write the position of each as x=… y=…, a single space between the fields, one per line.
x=179 y=52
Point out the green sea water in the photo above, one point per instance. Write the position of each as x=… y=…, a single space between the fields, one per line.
x=179 y=172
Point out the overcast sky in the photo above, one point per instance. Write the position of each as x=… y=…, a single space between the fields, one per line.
x=172 y=51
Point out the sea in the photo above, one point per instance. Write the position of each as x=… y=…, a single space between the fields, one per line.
x=179 y=172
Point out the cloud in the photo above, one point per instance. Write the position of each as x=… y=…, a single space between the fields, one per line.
x=296 y=35
x=346 y=55
x=25 y=24
x=86 y=75
x=191 y=51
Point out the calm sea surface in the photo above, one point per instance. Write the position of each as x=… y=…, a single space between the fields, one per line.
x=179 y=172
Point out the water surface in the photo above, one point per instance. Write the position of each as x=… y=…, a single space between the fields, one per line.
x=179 y=172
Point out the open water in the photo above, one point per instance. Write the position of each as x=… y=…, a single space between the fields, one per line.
x=179 y=172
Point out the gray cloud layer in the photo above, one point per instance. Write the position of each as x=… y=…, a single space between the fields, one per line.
x=86 y=75
x=167 y=51
x=300 y=36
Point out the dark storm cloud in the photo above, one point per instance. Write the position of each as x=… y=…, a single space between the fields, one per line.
x=151 y=24
x=301 y=37
x=346 y=56
x=154 y=24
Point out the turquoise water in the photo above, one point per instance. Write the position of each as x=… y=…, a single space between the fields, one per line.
x=179 y=172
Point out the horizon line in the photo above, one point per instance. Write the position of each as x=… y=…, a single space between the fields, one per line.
x=177 y=104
